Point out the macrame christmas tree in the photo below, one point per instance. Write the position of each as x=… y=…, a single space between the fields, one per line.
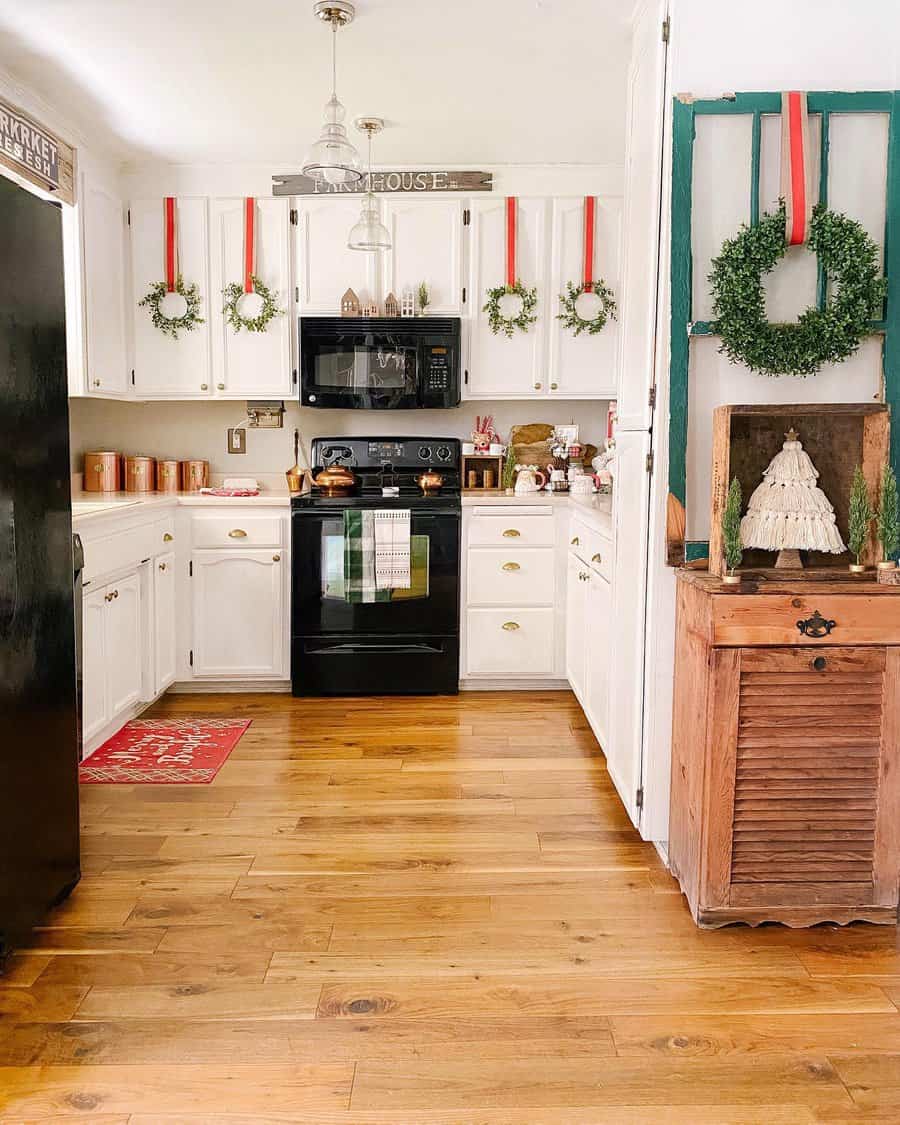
x=788 y=512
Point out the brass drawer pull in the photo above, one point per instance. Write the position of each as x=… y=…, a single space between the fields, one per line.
x=511 y=533
x=276 y=558
x=237 y=533
x=574 y=542
x=510 y=626
x=816 y=626
x=596 y=559
x=511 y=566
x=167 y=538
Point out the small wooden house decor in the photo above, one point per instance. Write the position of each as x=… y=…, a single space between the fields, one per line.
x=368 y=309
x=407 y=303
x=349 y=304
x=391 y=305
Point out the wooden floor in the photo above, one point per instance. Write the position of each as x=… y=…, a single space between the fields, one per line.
x=399 y=912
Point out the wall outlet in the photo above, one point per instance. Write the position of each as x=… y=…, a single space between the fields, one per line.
x=237 y=440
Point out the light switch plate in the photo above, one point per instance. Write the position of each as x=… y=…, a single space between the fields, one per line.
x=237 y=441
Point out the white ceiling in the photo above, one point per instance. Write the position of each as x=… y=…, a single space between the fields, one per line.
x=459 y=81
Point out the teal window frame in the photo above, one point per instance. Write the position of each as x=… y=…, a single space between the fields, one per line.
x=683 y=327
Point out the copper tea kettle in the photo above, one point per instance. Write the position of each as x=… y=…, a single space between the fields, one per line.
x=430 y=481
x=336 y=480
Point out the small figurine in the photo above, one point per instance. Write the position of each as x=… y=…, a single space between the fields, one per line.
x=391 y=305
x=369 y=309
x=349 y=304
x=407 y=303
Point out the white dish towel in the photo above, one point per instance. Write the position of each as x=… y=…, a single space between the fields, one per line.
x=392 y=570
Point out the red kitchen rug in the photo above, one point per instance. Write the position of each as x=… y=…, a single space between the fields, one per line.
x=163 y=752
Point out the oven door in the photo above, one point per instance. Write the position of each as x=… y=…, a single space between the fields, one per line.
x=320 y=601
x=360 y=370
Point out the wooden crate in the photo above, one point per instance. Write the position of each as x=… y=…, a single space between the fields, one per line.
x=477 y=463
x=837 y=436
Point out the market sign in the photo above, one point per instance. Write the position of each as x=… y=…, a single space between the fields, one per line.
x=386 y=182
x=35 y=153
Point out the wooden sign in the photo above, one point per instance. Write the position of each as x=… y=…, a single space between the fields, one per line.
x=36 y=154
x=387 y=182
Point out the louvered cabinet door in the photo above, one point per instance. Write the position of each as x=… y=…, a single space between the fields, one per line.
x=804 y=757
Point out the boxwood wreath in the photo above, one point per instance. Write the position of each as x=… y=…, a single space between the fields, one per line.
x=849 y=258
x=269 y=310
x=508 y=324
x=171 y=326
x=570 y=316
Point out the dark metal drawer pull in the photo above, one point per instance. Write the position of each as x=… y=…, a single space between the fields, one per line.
x=815 y=626
x=820 y=664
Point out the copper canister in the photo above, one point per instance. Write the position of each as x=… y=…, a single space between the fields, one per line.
x=101 y=472
x=194 y=475
x=167 y=476
x=140 y=474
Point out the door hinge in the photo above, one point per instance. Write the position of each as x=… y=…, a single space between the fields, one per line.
x=191 y=658
x=466 y=377
x=294 y=375
x=649 y=462
x=464 y=295
x=190 y=570
x=132 y=376
x=666 y=29
x=297 y=294
x=293 y=216
x=467 y=217
x=651 y=397
x=128 y=215
x=639 y=798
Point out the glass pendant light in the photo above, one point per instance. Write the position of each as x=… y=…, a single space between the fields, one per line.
x=369 y=233
x=332 y=159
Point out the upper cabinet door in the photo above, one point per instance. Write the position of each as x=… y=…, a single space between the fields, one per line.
x=103 y=287
x=426 y=245
x=165 y=367
x=501 y=367
x=325 y=266
x=584 y=366
x=251 y=364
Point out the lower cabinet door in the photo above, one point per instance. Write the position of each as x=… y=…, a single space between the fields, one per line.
x=95 y=703
x=124 y=643
x=576 y=604
x=599 y=608
x=510 y=642
x=237 y=626
x=163 y=621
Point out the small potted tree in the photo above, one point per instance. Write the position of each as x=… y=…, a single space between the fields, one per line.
x=424 y=296
x=888 y=520
x=731 y=533
x=861 y=515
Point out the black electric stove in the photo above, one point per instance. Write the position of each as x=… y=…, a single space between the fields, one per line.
x=407 y=642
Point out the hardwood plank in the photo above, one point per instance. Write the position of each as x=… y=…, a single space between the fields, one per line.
x=72 y=940
x=22 y=969
x=21 y=1005
x=208 y=1001
x=155 y=968
x=568 y=1115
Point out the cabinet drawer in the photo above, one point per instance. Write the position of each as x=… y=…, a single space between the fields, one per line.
x=164 y=532
x=510 y=577
x=510 y=642
x=780 y=619
x=236 y=530
x=512 y=526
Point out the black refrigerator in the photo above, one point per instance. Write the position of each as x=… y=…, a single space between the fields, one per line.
x=39 y=854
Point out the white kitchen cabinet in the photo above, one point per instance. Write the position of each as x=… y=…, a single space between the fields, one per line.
x=576 y=624
x=501 y=367
x=583 y=366
x=163 y=621
x=426 y=245
x=166 y=367
x=238 y=607
x=123 y=645
x=95 y=702
x=325 y=266
x=251 y=364
x=598 y=612
x=103 y=290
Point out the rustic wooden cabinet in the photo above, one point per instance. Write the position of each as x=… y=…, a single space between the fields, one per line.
x=785 y=798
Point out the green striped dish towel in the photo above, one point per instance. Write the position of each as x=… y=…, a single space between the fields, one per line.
x=359 y=558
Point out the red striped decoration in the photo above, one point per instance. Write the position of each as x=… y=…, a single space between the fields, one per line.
x=511 y=215
x=171 y=244
x=589 y=209
x=795 y=166
x=249 y=243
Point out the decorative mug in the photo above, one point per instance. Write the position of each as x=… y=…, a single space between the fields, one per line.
x=527 y=479
x=582 y=486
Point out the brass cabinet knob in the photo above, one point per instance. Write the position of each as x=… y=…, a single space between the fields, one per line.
x=510 y=626
x=167 y=537
x=511 y=566
x=554 y=386
x=511 y=533
x=537 y=386
x=204 y=386
x=574 y=542
x=112 y=594
x=96 y=382
x=220 y=386
x=276 y=558
x=237 y=533
x=162 y=566
x=596 y=559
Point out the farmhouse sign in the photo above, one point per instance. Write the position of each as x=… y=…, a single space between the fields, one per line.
x=389 y=182
x=35 y=153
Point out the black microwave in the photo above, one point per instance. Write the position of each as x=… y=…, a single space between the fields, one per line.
x=379 y=363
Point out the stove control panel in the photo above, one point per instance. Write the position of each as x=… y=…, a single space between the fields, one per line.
x=375 y=452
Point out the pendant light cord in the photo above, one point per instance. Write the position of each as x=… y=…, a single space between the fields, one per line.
x=334 y=31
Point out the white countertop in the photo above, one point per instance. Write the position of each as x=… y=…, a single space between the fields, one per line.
x=90 y=506
x=595 y=509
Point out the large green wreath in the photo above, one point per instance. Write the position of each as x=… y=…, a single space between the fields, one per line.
x=269 y=310
x=508 y=324
x=849 y=258
x=570 y=316
x=171 y=326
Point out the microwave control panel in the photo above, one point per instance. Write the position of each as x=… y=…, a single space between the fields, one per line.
x=437 y=377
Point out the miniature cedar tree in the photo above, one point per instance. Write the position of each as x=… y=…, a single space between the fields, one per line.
x=861 y=514
x=888 y=516
x=731 y=527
